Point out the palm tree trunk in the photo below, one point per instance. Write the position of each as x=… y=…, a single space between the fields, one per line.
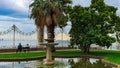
x=51 y=35
x=40 y=36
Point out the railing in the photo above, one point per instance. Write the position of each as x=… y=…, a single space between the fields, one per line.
x=11 y=37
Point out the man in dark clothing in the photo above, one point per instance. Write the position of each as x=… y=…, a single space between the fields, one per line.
x=19 y=49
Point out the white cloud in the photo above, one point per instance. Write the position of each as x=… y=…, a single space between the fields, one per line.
x=5 y=18
x=24 y=24
x=22 y=6
x=17 y=5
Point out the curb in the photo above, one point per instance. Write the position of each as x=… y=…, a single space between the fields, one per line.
x=83 y=56
x=110 y=63
x=20 y=59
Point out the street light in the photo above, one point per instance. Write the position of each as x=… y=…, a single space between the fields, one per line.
x=14 y=28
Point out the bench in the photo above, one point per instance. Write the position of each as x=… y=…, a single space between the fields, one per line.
x=25 y=49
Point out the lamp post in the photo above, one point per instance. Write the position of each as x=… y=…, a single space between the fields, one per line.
x=14 y=29
x=62 y=36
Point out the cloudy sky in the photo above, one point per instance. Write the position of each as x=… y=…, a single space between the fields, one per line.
x=17 y=12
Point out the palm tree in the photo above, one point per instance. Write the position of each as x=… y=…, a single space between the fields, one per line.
x=36 y=14
x=48 y=13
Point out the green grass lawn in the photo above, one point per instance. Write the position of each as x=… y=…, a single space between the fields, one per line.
x=22 y=55
x=113 y=56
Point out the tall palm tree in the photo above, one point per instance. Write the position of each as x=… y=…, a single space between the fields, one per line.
x=36 y=14
x=48 y=13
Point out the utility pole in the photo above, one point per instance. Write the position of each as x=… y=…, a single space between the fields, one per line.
x=14 y=28
x=62 y=36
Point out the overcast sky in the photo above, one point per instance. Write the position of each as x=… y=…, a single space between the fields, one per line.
x=17 y=12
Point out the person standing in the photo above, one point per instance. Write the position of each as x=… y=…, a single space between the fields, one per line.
x=28 y=47
x=19 y=49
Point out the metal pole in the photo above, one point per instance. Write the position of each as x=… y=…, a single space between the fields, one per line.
x=62 y=37
x=13 y=35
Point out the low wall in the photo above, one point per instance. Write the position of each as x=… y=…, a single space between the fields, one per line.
x=32 y=49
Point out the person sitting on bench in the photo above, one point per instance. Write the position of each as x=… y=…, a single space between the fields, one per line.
x=27 y=48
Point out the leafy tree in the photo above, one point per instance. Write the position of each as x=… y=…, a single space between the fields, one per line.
x=48 y=13
x=92 y=25
x=116 y=27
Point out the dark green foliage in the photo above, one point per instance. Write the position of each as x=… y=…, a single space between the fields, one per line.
x=62 y=21
x=92 y=24
x=43 y=5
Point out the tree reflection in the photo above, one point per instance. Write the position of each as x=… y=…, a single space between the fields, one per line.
x=85 y=63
